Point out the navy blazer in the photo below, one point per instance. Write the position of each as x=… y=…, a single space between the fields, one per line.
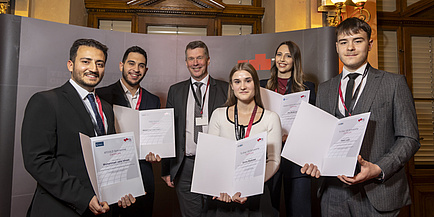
x=115 y=95
x=52 y=152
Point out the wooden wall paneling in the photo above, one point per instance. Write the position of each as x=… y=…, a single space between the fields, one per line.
x=423 y=200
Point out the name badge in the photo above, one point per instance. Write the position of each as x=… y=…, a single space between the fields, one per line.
x=201 y=121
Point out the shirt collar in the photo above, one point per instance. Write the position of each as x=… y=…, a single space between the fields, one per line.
x=204 y=80
x=360 y=71
x=126 y=89
x=81 y=91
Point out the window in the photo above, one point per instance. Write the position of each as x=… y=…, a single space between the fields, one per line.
x=238 y=2
x=388 y=51
x=236 y=29
x=174 y=30
x=115 y=25
x=386 y=5
x=423 y=93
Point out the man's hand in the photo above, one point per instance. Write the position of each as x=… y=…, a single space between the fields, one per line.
x=168 y=182
x=97 y=207
x=368 y=171
x=224 y=197
x=151 y=157
x=310 y=169
x=237 y=198
x=126 y=201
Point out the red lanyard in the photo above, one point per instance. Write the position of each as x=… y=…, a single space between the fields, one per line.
x=249 y=127
x=140 y=99
x=342 y=99
x=355 y=93
x=100 y=108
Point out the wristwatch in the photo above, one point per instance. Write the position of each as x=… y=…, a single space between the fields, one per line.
x=380 y=177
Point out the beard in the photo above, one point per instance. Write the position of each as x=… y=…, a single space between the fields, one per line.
x=129 y=82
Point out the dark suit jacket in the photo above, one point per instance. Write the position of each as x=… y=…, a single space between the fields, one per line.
x=52 y=151
x=177 y=99
x=114 y=94
x=391 y=137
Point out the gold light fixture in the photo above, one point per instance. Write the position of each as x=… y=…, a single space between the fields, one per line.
x=4 y=7
x=338 y=7
x=362 y=12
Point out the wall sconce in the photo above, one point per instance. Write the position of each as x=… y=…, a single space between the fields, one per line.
x=338 y=7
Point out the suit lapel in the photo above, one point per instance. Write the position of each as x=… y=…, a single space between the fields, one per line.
x=184 y=97
x=76 y=103
x=143 y=100
x=367 y=96
x=334 y=93
x=119 y=95
x=212 y=96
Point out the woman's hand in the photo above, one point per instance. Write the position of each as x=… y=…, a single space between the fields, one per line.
x=224 y=197
x=237 y=198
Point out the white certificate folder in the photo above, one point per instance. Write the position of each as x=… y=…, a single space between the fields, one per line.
x=286 y=106
x=330 y=143
x=227 y=166
x=153 y=129
x=113 y=166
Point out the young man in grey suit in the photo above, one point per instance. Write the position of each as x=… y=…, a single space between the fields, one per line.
x=128 y=92
x=194 y=100
x=380 y=186
x=50 y=137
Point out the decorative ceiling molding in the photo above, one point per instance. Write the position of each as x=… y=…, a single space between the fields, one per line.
x=216 y=4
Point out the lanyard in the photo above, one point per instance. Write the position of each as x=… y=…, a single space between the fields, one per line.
x=100 y=108
x=139 y=100
x=249 y=127
x=195 y=97
x=350 y=107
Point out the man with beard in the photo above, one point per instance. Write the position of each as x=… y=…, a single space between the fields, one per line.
x=127 y=92
x=50 y=137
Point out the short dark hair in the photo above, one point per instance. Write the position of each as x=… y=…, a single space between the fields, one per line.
x=89 y=43
x=196 y=44
x=353 y=25
x=135 y=49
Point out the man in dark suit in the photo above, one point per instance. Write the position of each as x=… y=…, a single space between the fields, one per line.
x=380 y=187
x=194 y=100
x=127 y=92
x=50 y=136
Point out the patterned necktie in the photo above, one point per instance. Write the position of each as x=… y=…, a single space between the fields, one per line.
x=197 y=110
x=349 y=91
x=101 y=130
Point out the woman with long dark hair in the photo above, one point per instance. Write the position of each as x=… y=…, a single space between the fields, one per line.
x=287 y=77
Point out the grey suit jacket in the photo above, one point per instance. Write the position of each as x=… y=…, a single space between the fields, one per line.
x=392 y=135
x=52 y=151
x=177 y=99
